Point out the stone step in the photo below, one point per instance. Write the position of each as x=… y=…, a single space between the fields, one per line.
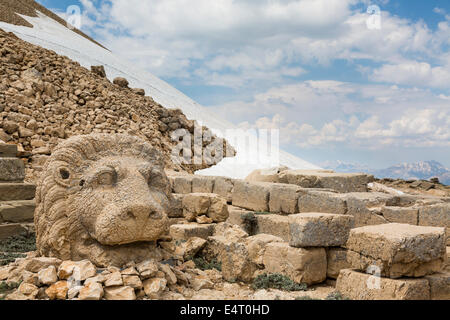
x=299 y=230
x=17 y=191
x=17 y=211
x=397 y=250
x=340 y=182
x=13 y=229
x=12 y=170
x=8 y=150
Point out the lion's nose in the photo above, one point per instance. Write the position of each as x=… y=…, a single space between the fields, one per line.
x=140 y=213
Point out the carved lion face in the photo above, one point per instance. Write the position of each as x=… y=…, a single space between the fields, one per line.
x=122 y=200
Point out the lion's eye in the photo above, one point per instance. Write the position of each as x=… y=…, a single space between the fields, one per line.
x=107 y=178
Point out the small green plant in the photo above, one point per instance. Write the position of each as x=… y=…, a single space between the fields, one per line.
x=6 y=288
x=304 y=298
x=15 y=247
x=336 y=295
x=250 y=223
x=277 y=281
x=7 y=258
x=203 y=264
x=20 y=243
x=179 y=242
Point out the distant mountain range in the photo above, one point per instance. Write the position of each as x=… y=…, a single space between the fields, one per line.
x=422 y=170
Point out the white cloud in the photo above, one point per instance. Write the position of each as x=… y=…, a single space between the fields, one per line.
x=413 y=73
x=371 y=116
x=257 y=43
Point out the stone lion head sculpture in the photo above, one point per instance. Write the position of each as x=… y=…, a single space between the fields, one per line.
x=102 y=197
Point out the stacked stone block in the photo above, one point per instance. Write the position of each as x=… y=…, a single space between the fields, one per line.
x=16 y=197
x=395 y=261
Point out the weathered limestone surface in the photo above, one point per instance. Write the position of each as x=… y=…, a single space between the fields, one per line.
x=341 y=182
x=209 y=204
x=406 y=215
x=256 y=246
x=224 y=187
x=176 y=206
x=186 y=231
x=251 y=195
x=235 y=215
x=365 y=207
x=319 y=229
x=17 y=191
x=360 y=286
x=300 y=264
x=397 y=249
x=8 y=150
x=11 y=229
x=336 y=261
x=447 y=263
x=17 y=211
x=437 y=216
x=11 y=170
x=439 y=286
x=266 y=175
x=202 y=184
x=319 y=201
x=182 y=183
x=283 y=198
x=236 y=262
x=273 y=224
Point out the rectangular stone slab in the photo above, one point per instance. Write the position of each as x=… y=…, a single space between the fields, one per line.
x=202 y=184
x=401 y=215
x=319 y=229
x=17 y=191
x=8 y=150
x=284 y=198
x=9 y=230
x=181 y=183
x=186 y=231
x=361 y=286
x=301 y=265
x=17 y=211
x=398 y=249
x=341 y=182
x=223 y=187
x=439 y=286
x=236 y=215
x=366 y=207
x=11 y=170
x=251 y=195
x=273 y=224
x=318 y=201
x=437 y=215
x=336 y=261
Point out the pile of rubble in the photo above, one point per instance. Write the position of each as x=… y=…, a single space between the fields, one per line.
x=46 y=98
x=431 y=187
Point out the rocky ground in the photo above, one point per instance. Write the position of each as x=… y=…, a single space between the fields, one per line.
x=45 y=98
x=418 y=187
x=170 y=278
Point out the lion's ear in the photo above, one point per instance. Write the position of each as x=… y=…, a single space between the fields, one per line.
x=63 y=176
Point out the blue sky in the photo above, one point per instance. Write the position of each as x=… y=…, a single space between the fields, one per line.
x=338 y=85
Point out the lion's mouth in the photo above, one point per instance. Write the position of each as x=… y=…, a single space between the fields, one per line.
x=130 y=231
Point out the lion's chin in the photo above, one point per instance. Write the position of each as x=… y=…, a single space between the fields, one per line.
x=124 y=241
